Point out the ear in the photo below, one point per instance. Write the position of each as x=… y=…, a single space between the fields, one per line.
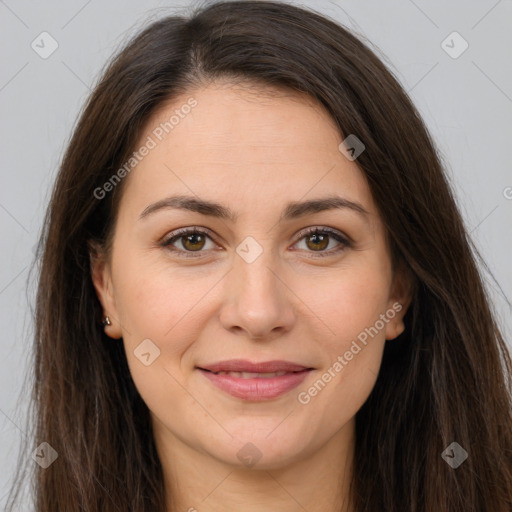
x=102 y=281
x=402 y=289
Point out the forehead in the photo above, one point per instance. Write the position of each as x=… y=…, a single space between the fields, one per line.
x=244 y=145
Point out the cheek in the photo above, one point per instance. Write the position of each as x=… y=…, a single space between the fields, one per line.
x=352 y=302
x=157 y=300
x=351 y=306
x=167 y=307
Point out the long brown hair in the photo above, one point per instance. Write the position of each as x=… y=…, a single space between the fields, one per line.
x=446 y=379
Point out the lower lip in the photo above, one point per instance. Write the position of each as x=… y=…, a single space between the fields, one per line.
x=257 y=388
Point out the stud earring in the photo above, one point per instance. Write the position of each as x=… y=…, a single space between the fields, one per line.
x=106 y=321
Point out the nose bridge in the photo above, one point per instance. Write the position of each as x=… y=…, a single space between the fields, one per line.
x=256 y=299
x=252 y=274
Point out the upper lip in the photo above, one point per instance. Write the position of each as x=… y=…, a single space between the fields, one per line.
x=243 y=365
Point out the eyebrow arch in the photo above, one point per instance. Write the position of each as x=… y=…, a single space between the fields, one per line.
x=292 y=210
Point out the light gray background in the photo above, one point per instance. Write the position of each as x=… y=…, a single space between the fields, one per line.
x=466 y=102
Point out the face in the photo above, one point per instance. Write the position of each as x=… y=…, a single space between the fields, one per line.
x=256 y=284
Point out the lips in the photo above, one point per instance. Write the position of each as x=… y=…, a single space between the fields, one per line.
x=242 y=365
x=255 y=381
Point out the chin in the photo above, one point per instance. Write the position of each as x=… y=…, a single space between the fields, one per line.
x=256 y=449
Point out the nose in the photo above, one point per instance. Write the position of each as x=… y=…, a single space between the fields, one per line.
x=257 y=301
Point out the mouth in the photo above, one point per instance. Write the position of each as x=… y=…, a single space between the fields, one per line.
x=251 y=375
x=255 y=381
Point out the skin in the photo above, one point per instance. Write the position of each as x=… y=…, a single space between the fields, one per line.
x=253 y=150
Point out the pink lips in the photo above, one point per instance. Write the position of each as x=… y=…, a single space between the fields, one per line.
x=255 y=387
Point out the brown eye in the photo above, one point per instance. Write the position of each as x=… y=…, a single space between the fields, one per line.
x=317 y=241
x=192 y=241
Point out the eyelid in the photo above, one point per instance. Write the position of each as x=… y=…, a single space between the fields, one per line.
x=324 y=229
x=167 y=240
x=344 y=240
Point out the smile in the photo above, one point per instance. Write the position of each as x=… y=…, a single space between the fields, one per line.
x=255 y=386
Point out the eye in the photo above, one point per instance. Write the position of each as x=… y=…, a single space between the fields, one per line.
x=318 y=240
x=193 y=240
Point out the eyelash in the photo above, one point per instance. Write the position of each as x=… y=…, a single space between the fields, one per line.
x=181 y=233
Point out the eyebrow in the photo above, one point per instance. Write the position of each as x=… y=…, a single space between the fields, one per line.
x=292 y=210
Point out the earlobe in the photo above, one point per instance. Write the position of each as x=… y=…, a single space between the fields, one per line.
x=102 y=282
x=394 y=328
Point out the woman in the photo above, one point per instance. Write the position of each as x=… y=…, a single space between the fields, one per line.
x=256 y=290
